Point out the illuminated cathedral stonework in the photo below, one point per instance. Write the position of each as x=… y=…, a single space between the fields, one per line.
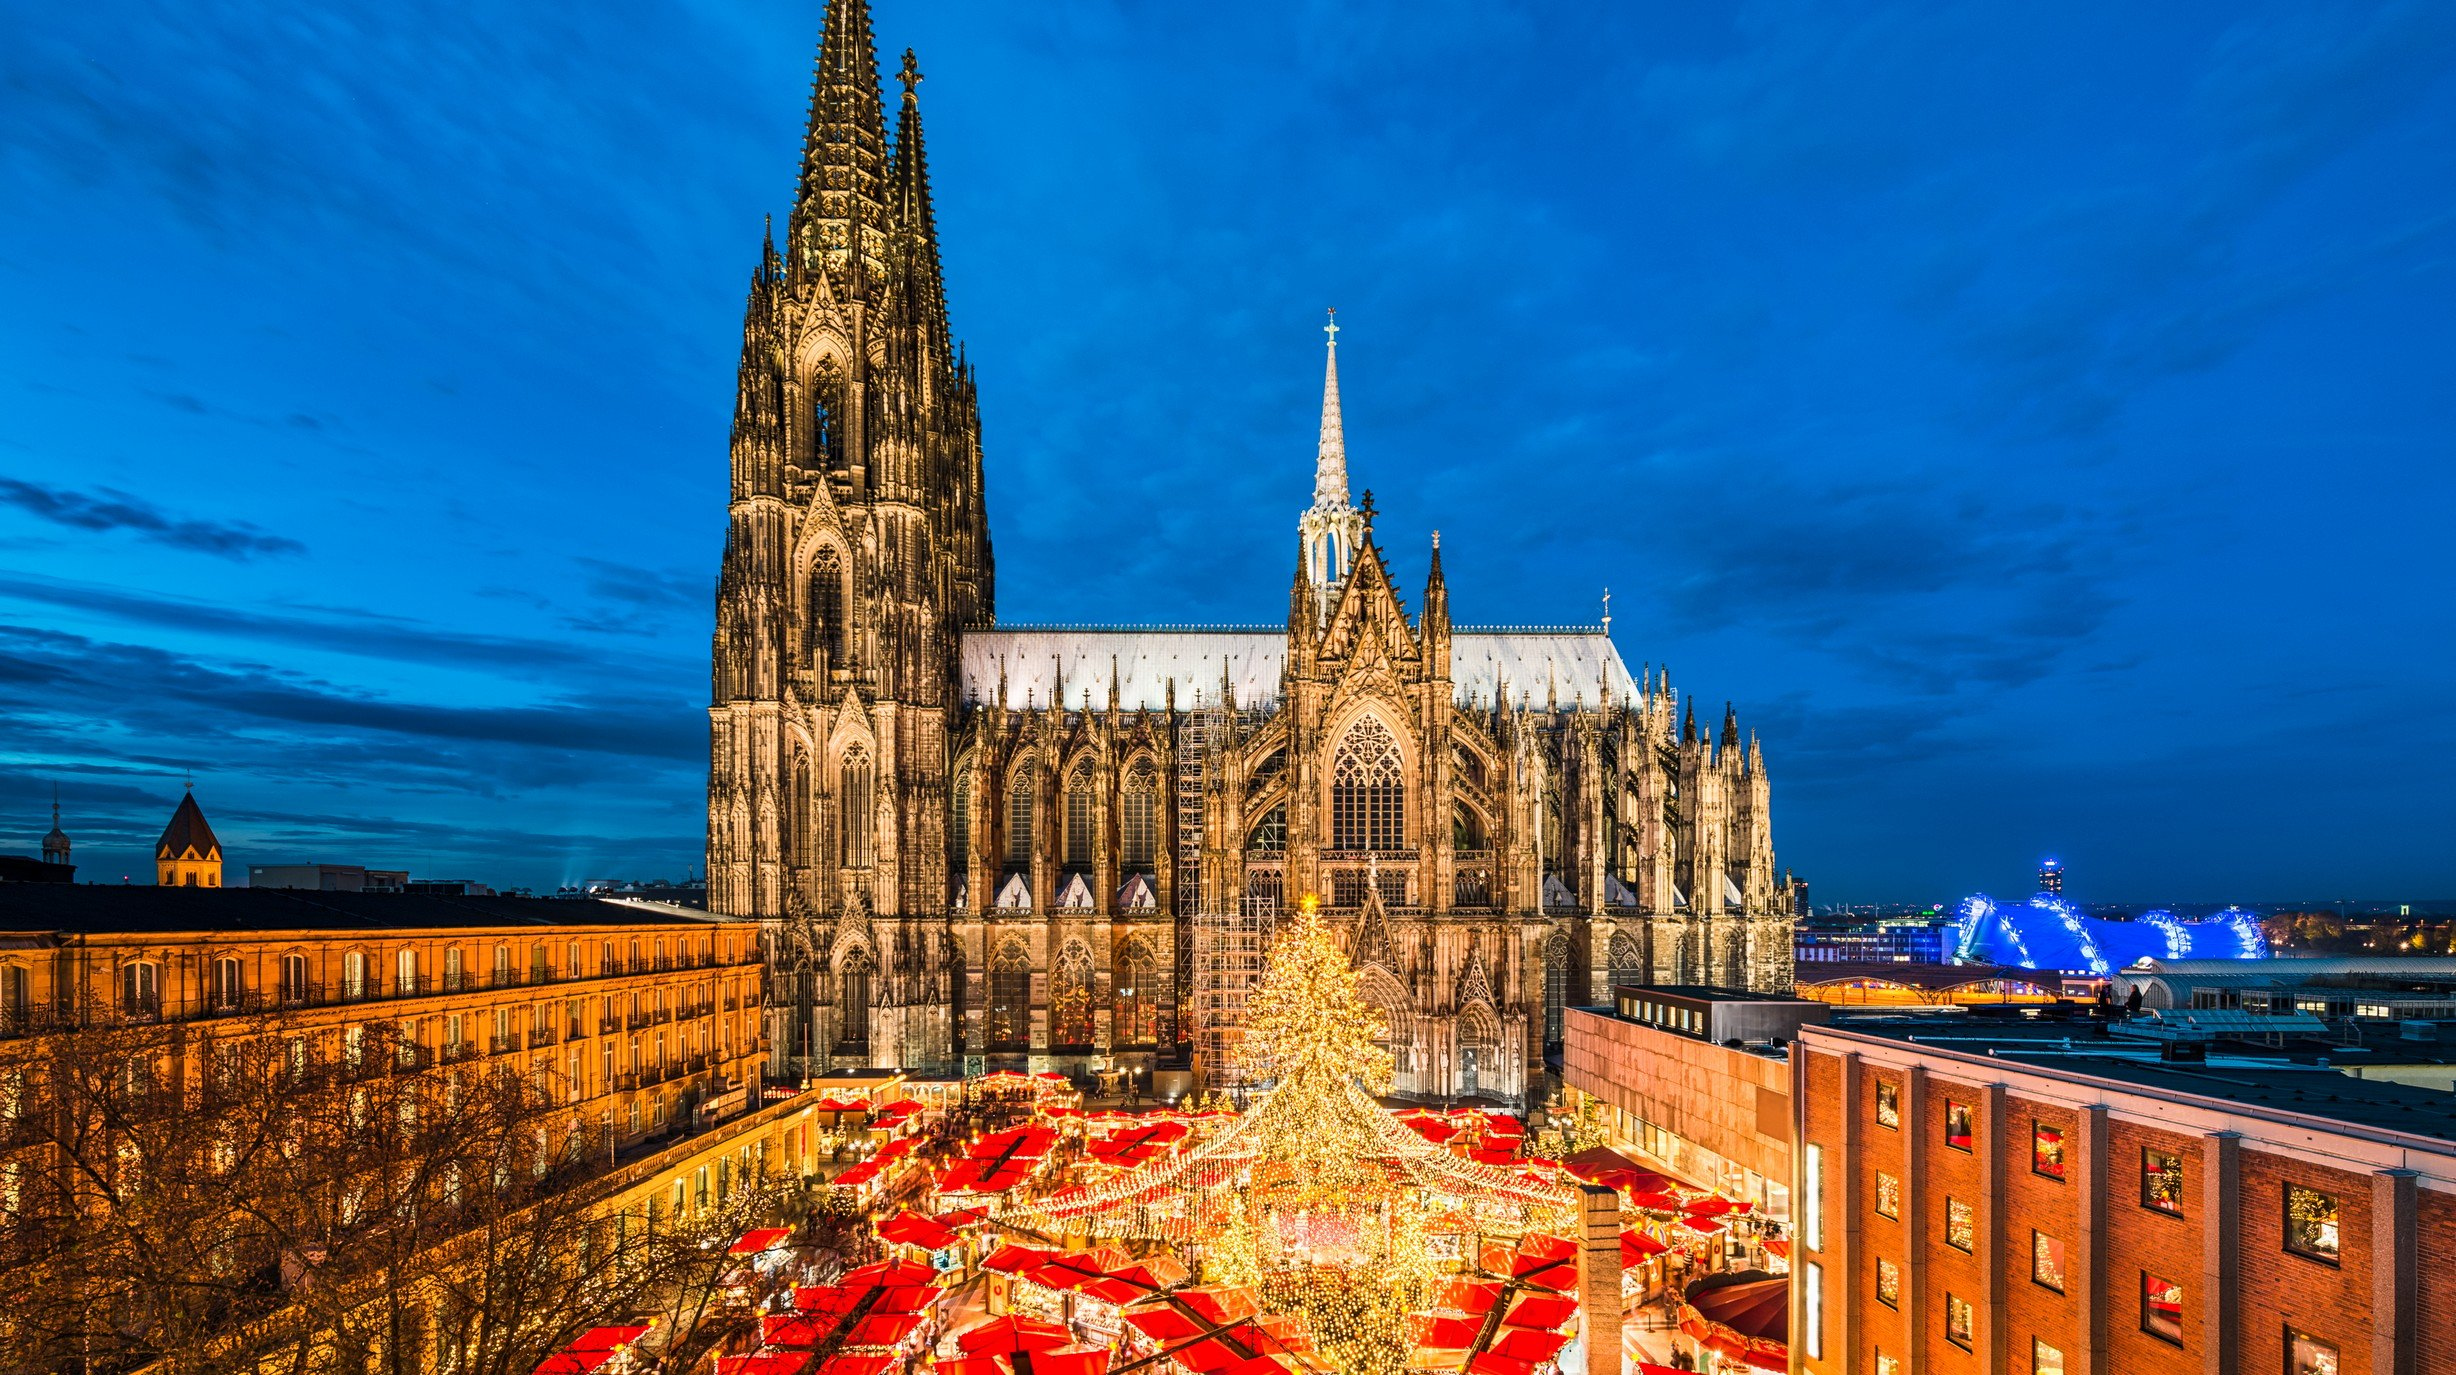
x=977 y=845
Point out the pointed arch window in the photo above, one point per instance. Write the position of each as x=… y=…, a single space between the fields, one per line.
x=1021 y=797
x=853 y=1003
x=826 y=630
x=827 y=417
x=1079 y=812
x=1010 y=998
x=1139 y=819
x=959 y=822
x=1137 y=990
x=1627 y=963
x=1070 y=998
x=1368 y=805
x=860 y=817
x=1556 y=987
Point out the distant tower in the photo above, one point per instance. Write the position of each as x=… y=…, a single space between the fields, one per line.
x=188 y=855
x=55 y=845
x=1330 y=528
x=2051 y=877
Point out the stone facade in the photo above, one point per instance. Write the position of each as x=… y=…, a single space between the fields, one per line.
x=978 y=845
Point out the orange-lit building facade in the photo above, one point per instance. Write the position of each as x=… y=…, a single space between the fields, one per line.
x=2037 y=1212
x=644 y=1020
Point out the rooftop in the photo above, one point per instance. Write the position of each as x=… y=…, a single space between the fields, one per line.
x=97 y=909
x=2306 y=1080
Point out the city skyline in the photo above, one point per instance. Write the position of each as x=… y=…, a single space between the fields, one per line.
x=382 y=500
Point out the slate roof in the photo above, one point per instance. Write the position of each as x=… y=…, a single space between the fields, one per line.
x=187 y=831
x=1038 y=661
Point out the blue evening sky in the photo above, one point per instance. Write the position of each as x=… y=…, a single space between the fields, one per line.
x=2036 y=418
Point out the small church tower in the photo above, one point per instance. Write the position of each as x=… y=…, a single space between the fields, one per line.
x=188 y=855
x=55 y=845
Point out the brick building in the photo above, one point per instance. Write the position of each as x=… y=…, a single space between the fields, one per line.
x=2030 y=1201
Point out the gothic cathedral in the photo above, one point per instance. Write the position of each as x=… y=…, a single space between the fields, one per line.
x=976 y=845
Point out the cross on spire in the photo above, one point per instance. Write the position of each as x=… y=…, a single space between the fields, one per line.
x=1332 y=329
x=911 y=75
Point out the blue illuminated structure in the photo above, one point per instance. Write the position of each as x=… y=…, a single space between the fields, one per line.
x=2049 y=933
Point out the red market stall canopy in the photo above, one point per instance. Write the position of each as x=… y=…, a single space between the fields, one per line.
x=1636 y=1247
x=1608 y=1167
x=995 y=1164
x=764 y=1363
x=912 y=1229
x=1014 y=1345
x=765 y=1238
x=796 y=1330
x=593 y=1349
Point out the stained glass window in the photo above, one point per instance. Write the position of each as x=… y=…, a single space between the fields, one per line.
x=1368 y=806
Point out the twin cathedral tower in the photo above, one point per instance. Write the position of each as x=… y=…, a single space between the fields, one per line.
x=976 y=845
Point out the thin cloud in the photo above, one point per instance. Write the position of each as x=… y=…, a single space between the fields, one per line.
x=106 y=509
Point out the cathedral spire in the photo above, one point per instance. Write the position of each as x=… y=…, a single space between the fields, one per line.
x=844 y=151
x=1330 y=457
x=1331 y=528
x=912 y=191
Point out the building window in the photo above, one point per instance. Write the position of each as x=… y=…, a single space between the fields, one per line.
x=1957 y=1125
x=452 y=969
x=2308 y=1355
x=1959 y=1322
x=1137 y=987
x=1020 y=799
x=959 y=825
x=294 y=978
x=860 y=815
x=16 y=998
x=1070 y=998
x=1812 y=1197
x=1887 y=1365
x=1888 y=1104
x=405 y=972
x=1812 y=1301
x=1888 y=1195
x=2046 y=1150
x=1960 y=1225
x=2161 y=1181
x=2045 y=1359
x=1080 y=809
x=1010 y=999
x=826 y=590
x=1139 y=820
x=2310 y=1224
x=503 y=966
x=354 y=974
x=2161 y=1307
x=853 y=1003
x=1368 y=790
x=2047 y=1261
x=1888 y=1284
x=140 y=989
x=229 y=983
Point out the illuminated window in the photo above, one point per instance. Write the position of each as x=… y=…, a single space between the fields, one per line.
x=1812 y=1301
x=2310 y=1224
x=1888 y=1104
x=1887 y=1365
x=1367 y=791
x=853 y=1002
x=1959 y=1322
x=1070 y=998
x=1812 y=1204
x=2044 y=1359
x=1960 y=1225
x=1010 y=998
x=2161 y=1181
x=1888 y=1195
x=229 y=987
x=2308 y=1355
x=2047 y=1261
x=2161 y=1307
x=1137 y=987
x=2046 y=1150
x=1888 y=1284
x=1957 y=1125
x=959 y=822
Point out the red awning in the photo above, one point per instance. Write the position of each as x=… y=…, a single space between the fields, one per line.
x=763 y=1363
x=912 y=1229
x=765 y=1238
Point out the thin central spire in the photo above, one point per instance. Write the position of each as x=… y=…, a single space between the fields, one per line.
x=1330 y=460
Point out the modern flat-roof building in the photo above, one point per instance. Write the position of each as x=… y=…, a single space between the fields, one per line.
x=2041 y=1199
x=1693 y=1080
